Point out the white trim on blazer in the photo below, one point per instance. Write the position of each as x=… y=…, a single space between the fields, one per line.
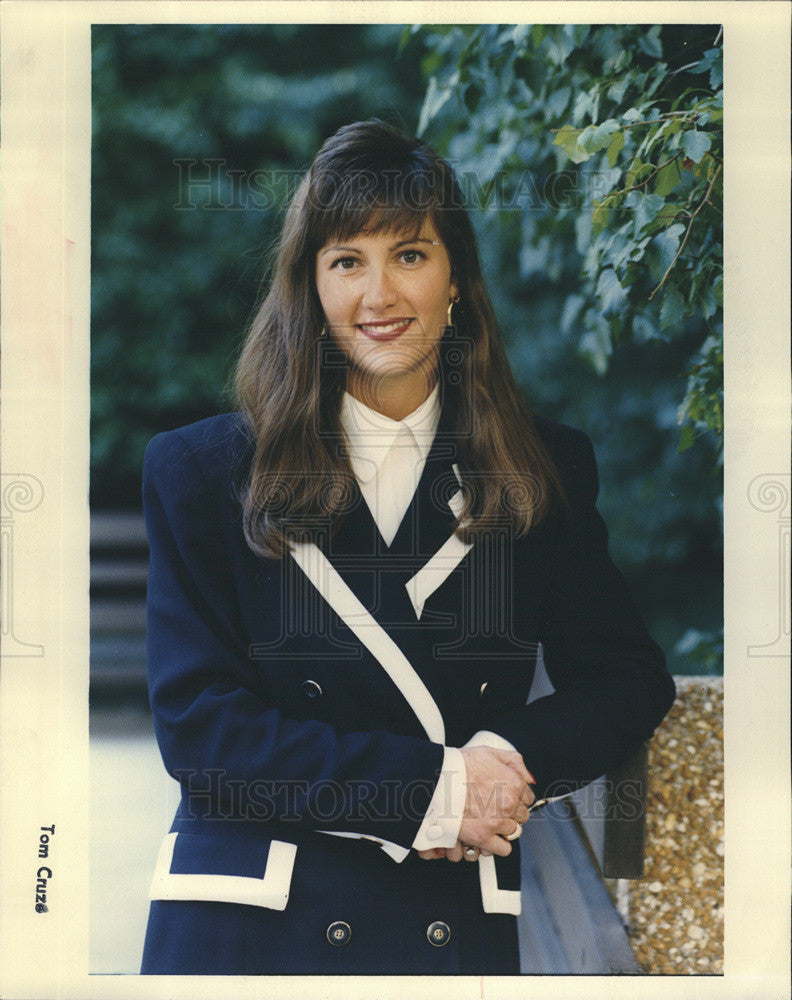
x=436 y=570
x=323 y=575
x=328 y=581
x=493 y=898
x=270 y=891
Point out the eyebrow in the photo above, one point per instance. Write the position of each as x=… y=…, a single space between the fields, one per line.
x=401 y=243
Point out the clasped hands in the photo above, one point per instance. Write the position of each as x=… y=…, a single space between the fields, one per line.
x=497 y=802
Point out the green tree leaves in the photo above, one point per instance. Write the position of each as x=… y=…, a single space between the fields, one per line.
x=640 y=134
x=696 y=144
x=568 y=140
x=596 y=156
x=436 y=97
x=702 y=406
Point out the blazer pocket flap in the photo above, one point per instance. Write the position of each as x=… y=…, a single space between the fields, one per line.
x=176 y=878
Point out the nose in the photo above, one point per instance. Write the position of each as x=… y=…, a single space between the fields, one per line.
x=379 y=292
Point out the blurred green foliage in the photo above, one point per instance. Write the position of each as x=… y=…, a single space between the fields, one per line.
x=624 y=126
x=200 y=134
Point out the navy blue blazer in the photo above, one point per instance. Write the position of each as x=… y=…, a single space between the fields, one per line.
x=303 y=704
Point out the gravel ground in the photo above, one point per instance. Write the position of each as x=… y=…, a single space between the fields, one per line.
x=676 y=910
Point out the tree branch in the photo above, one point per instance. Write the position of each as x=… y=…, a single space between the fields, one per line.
x=682 y=69
x=643 y=183
x=702 y=203
x=648 y=121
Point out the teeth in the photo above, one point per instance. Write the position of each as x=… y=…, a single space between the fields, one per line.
x=384 y=328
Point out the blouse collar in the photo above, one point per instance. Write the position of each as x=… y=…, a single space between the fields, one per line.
x=371 y=435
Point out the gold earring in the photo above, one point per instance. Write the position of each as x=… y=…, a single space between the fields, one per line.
x=324 y=330
x=451 y=305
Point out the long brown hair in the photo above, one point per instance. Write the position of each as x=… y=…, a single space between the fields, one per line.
x=290 y=380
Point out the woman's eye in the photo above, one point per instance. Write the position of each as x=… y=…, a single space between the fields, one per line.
x=344 y=263
x=411 y=256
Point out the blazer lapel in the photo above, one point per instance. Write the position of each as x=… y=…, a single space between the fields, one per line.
x=445 y=559
x=342 y=599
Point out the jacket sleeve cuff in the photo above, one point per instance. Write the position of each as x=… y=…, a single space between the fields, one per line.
x=485 y=738
x=440 y=826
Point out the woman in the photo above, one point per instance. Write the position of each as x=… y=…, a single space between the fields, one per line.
x=349 y=582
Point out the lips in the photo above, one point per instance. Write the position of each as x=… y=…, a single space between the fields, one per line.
x=384 y=330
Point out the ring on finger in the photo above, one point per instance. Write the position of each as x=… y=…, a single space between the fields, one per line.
x=471 y=852
x=515 y=832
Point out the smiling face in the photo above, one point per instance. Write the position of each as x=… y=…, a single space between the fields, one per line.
x=385 y=299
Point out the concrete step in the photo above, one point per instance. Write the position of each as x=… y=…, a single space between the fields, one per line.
x=112 y=529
